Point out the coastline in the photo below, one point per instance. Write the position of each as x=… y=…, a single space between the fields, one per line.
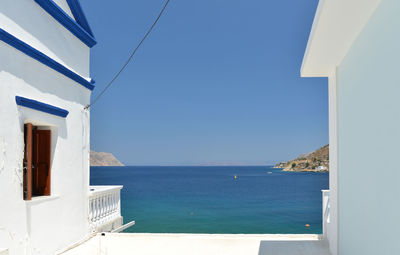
x=316 y=162
x=301 y=170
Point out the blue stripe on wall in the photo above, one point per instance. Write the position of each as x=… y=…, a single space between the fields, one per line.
x=33 y=104
x=58 y=14
x=44 y=59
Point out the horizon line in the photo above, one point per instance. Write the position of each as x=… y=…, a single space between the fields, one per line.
x=183 y=165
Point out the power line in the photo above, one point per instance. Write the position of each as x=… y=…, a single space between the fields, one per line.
x=130 y=57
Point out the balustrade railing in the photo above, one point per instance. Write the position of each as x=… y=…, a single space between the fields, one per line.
x=326 y=205
x=104 y=205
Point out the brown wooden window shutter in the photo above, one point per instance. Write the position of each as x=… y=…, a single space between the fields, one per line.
x=37 y=162
x=41 y=162
x=28 y=161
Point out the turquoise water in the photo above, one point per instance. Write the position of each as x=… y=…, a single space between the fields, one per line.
x=211 y=200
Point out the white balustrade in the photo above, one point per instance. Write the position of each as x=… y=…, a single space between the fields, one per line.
x=326 y=215
x=104 y=205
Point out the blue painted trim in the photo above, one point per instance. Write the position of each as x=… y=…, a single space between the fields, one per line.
x=61 y=16
x=36 y=105
x=79 y=15
x=44 y=59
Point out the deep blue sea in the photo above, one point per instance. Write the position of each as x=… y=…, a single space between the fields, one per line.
x=210 y=200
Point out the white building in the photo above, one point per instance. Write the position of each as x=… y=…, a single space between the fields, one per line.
x=356 y=44
x=46 y=202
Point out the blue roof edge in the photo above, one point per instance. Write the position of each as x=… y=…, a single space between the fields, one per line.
x=79 y=15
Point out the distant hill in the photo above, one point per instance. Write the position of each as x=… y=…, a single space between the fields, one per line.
x=103 y=159
x=316 y=161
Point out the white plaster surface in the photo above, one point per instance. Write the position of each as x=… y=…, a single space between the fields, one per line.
x=332 y=227
x=30 y=23
x=368 y=89
x=200 y=244
x=65 y=7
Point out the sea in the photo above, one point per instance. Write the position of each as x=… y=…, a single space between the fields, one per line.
x=217 y=199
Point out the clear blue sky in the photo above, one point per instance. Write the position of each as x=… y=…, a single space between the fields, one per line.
x=216 y=81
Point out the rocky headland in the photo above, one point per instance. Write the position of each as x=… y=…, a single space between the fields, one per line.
x=316 y=161
x=103 y=159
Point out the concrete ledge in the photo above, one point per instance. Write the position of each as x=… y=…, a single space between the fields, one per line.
x=200 y=244
x=274 y=237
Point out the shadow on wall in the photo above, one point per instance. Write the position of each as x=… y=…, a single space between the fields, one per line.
x=307 y=247
x=20 y=71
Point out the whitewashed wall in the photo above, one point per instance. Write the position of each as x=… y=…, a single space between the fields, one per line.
x=332 y=227
x=42 y=226
x=368 y=89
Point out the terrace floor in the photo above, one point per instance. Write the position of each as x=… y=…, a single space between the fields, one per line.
x=201 y=244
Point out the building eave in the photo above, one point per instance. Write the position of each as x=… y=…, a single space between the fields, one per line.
x=336 y=25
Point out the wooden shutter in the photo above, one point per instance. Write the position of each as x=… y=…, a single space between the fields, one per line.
x=41 y=162
x=27 y=162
